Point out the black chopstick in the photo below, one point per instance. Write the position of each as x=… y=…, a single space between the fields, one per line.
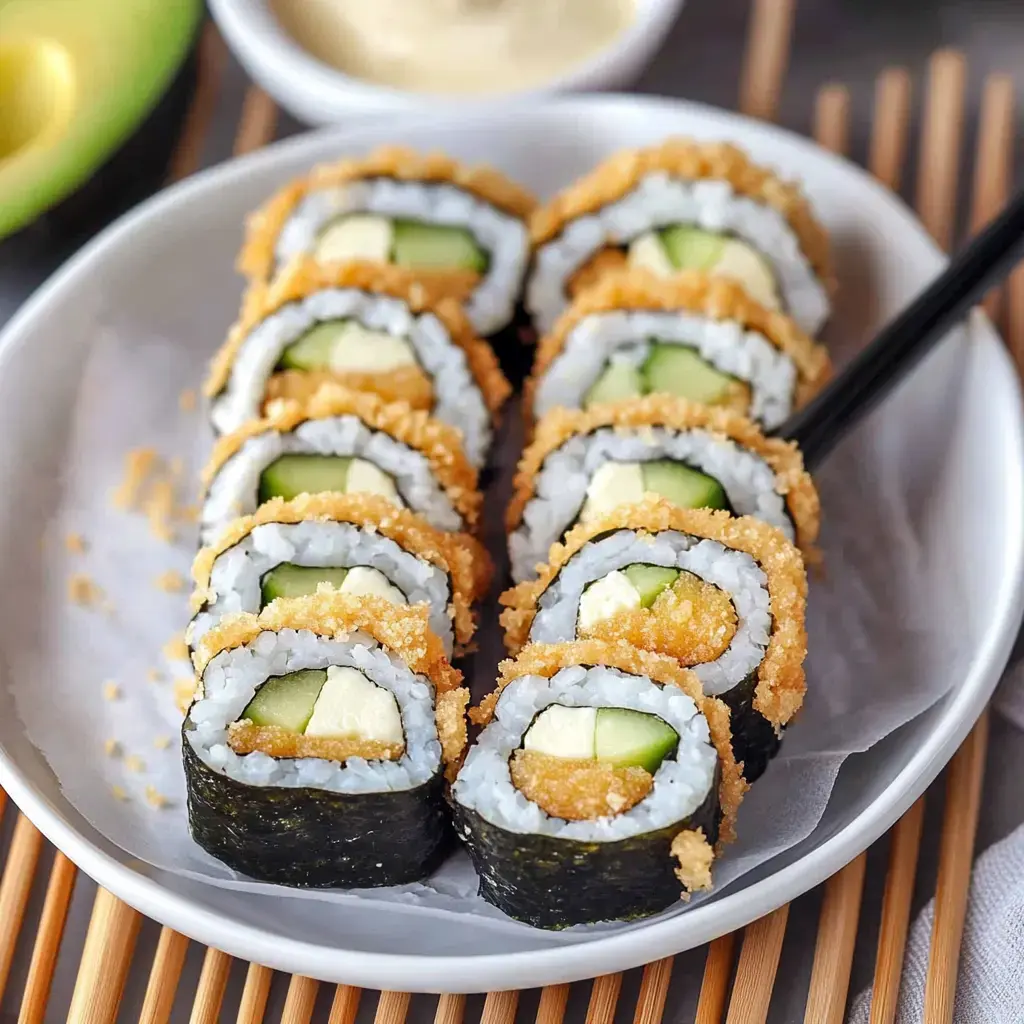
x=900 y=345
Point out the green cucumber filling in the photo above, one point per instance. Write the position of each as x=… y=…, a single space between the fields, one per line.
x=685 y=247
x=288 y=476
x=670 y=369
x=289 y=580
x=407 y=243
x=625 y=483
x=333 y=713
x=346 y=346
x=581 y=763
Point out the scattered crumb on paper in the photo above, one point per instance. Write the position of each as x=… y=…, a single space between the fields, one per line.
x=187 y=400
x=134 y=763
x=154 y=675
x=112 y=748
x=138 y=464
x=75 y=544
x=176 y=649
x=184 y=690
x=161 y=742
x=155 y=798
x=83 y=590
x=111 y=691
x=171 y=581
x=159 y=509
x=119 y=792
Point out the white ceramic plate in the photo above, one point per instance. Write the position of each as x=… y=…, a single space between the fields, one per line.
x=170 y=262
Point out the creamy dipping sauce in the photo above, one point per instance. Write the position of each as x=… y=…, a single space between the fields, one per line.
x=454 y=46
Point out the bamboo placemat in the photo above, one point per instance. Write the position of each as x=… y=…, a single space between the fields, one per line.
x=740 y=970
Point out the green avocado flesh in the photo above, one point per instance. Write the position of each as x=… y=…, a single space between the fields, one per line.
x=650 y=581
x=289 y=580
x=620 y=380
x=314 y=349
x=286 y=701
x=681 y=371
x=625 y=738
x=436 y=246
x=691 y=248
x=683 y=486
x=291 y=475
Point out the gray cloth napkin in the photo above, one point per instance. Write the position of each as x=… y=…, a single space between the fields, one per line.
x=990 y=987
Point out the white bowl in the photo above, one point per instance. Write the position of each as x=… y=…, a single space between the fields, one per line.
x=319 y=94
x=953 y=433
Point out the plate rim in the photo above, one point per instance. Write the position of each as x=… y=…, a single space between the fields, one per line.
x=616 y=952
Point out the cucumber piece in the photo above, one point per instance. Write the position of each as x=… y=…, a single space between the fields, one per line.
x=286 y=701
x=685 y=487
x=313 y=351
x=680 y=371
x=650 y=581
x=625 y=738
x=618 y=380
x=290 y=580
x=291 y=475
x=691 y=248
x=438 y=246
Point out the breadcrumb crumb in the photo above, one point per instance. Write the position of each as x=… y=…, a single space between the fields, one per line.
x=139 y=463
x=155 y=798
x=111 y=691
x=172 y=582
x=161 y=742
x=134 y=763
x=154 y=675
x=75 y=543
x=111 y=748
x=176 y=649
x=119 y=793
x=184 y=690
x=159 y=509
x=187 y=400
x=83 y=590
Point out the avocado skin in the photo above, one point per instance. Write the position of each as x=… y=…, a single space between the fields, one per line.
x=557 y=883
x=314 y=839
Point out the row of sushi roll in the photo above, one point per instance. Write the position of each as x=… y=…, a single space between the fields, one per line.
x=656 y=536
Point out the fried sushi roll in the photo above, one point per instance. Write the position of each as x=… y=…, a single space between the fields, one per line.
x=368 y=327
x=316 y=747
x=723 y=596
x=344 y=442
x=693 y=336
x=682 y=205
x=357 y=544
x=581 y=465
x=461 y=228
x=599 y=788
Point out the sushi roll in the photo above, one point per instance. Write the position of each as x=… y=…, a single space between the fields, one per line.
x=368 y=327
x=694 y=336
x=359 y=544
x=461 y=228
x=347 y=442
x=580 y=465
x=316 y=747
x=599 y=788
x=723 y=596
x=682 y=205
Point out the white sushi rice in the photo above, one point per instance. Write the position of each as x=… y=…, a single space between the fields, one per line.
x=658 y=201
x=503 y=236
x=734 y=572
x=457 y=397
x=232 y=678
x=680 y=785
x=234 y=491
x=626 y=336
x=237 y=572
x=561 y=484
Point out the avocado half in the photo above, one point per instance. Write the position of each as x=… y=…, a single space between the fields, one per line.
x=76 y=79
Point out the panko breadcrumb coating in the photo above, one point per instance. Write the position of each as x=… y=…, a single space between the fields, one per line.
x=439 y=443
x=690 y=291
x=459 y=556
x=450 y=718
x=401 y=630
x=781 y=682
x=304 y=277
x=691 y=160
x=791 y=479
x=256 y=260
x=548 y=659
x=244 y=738
x=577 y=789
x=695 y=857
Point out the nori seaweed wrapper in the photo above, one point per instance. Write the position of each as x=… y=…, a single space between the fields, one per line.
x=557 y=883
x=754 y=740
x=313 y=838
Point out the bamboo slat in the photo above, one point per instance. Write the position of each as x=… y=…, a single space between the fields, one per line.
x=253 y=1003
x=15 y=886
x=213 y=980
x=168 y=961
x=755 y=971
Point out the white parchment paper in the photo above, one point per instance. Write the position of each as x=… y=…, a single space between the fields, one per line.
x=881 y=619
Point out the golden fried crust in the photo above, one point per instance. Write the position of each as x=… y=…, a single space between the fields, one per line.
x=781 y=682
x=450 y=717
x=256 y=260
x=244 y=737
x=304 y=277
x=453 y=554
x=548 y=659
x=555 y=428
x=439 y=443
x=695 y=856
x=687 y=158
x=691 y=291
x=404 y=631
